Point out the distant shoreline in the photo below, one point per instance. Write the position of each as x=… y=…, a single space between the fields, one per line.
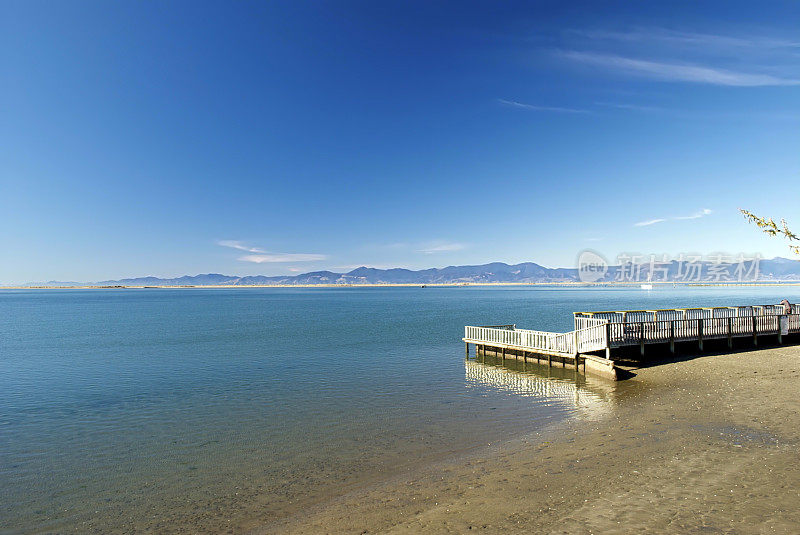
x=415 y=285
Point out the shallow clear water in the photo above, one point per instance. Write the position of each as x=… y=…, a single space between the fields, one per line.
x=200 y=409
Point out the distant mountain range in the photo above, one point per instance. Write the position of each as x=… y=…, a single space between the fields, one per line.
x=776 y=269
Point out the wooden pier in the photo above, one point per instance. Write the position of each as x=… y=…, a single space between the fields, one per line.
x=597 y=334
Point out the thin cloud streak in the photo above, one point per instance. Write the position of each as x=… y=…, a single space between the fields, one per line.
x=631 y=107
x=260 y=256
x=674 y=72
x=442 y=248
x=236 y=244
x=697 y=215
x=531 y=107
x=705 y=40
x=648 y=222
x=427 y=247
x=278 y=258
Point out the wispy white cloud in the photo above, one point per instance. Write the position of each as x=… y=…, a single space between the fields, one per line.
x=261 y=256
x=675 y=72
x=631 y=107
x=441 y=247
x=691 y=39
x=532 y=107
x=426 y=247
x=236 y=244
x=697 y=215
x=648 y=222
x=281 y=257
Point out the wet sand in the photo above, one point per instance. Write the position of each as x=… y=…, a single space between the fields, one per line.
x=704 y=445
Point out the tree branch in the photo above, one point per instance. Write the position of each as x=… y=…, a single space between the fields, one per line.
x=769 y=226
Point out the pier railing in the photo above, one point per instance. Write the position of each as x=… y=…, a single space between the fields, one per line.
x=605 y=330
x=522 y=338
x=592 y=338
x=586 y=322
x=689 y=313
x=682 y=330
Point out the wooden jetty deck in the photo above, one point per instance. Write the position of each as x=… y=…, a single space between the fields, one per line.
x=596 y=334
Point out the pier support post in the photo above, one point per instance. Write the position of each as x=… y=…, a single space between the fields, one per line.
x=641 y=339
x=575 y=350
x=466 y=348
x=755 y=329
x=672 y=337
x=730 y=333
x=700 y=334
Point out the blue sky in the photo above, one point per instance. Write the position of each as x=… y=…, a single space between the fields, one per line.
x=170 y=138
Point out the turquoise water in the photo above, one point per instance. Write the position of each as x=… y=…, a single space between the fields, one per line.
x=204 y=409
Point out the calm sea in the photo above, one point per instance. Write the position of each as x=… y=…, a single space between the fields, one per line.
x=205 y=409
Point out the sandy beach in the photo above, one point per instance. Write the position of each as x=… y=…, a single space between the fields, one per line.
x=701 y=445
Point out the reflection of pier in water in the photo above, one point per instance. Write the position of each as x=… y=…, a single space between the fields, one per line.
x=541 y=381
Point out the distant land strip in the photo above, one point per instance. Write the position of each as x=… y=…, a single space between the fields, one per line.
x=776 y=270
x=408 y=285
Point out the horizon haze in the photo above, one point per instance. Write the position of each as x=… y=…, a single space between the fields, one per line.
x=694 y=270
